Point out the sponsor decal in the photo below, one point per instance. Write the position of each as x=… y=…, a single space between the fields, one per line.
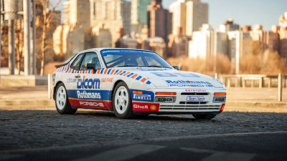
x=137 y=106
x=182 y=83
x=72 y=80
x=87 y=94
x=219 y=99
x=108 y=80
x=195 y=98
x=107 y=51
x=88 y=83
x=145 y=107
x=195 y=90
x=144 y=97
x=173 y=74
x=94 y=104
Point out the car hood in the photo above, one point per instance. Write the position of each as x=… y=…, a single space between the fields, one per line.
x=162 y=78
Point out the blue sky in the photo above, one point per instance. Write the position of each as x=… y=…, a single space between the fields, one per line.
x=244 y=12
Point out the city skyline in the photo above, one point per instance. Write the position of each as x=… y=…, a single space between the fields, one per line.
x=266 y=14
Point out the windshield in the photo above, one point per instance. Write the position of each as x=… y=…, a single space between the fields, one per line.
x=133 y=58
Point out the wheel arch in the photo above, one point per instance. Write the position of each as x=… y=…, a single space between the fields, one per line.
x=54 y=89
x=115 y=84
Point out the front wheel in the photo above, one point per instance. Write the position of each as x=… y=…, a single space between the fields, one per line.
x=204 y=116
x=62 y=103
x=122 y=103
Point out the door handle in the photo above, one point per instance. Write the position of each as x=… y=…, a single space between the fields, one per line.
x=77 y=76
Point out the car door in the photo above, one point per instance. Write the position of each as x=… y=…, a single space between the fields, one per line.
x=72 y=80
x=89 y=90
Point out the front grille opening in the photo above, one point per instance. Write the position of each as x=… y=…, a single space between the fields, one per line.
x=192 y=103
x=193 y=93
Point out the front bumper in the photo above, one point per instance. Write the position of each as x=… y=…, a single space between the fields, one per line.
x=183 y=103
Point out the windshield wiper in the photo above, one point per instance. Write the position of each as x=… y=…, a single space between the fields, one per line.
x=156 y=66
x=127 y=66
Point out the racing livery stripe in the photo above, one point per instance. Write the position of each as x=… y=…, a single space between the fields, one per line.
x=130 y=74
x=126 y=73
x=134 y=76
x=109 y=71
x=68 y=69
x=123 y=72
x=119 y=72
x=143 y=80
x=106 y=71
x=139 y=77
x=102 y=70
x=112 y=71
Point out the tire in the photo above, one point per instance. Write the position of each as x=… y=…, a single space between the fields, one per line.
x=61 y=100
x=204 y=116
x=122 y=102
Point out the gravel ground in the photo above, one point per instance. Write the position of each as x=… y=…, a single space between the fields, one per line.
x=37 y=128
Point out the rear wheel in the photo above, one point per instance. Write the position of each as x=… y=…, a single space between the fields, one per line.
x=122 y=103
x=62 y=103
x=204 y=116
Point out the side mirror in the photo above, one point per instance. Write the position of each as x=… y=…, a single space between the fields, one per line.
x=176 y=67
x=91 y=66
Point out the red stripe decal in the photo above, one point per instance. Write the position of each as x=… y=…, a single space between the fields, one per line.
x=134 y=76
x=143 y=80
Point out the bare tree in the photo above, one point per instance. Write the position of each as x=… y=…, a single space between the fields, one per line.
x=46 y=21
x=19 y=44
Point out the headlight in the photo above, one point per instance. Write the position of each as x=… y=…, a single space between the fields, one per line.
x=165 y=99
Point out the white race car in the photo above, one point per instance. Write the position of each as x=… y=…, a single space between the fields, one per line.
x=134 y=82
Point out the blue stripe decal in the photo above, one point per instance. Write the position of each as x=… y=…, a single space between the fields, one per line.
x=123 y=73
x=130 y=74
x=148 y=82
x=116 y=72
x=139 y=77
x=102 y=70
x=109 y=71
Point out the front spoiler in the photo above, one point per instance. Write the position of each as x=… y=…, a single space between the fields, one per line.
x=172 y=113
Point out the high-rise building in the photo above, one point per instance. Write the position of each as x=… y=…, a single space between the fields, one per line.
x=159 y=20
x=202 y=44
x=228 y=25
x=188 y=15
x=283 y=20
x=283 y=36
x=139 y=15
x=266 y=39
x=70 y=37
x=283 y=42
x=207 y=43
x=113 y=14
x=178 y=44
x=240 y=43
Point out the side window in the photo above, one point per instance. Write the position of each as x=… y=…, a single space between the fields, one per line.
x=90 y=58
x=76 y=62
